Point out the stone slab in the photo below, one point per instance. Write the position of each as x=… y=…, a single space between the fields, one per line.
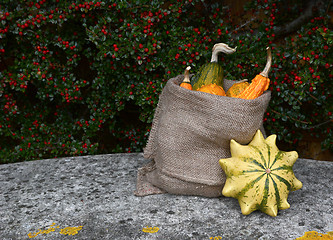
x=92 y=196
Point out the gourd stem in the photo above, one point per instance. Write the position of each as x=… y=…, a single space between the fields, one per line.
x=187 y=75
x=221 y=47
x=244 y=80
x=264 y=73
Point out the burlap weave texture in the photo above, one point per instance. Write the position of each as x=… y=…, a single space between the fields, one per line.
x=191 y=131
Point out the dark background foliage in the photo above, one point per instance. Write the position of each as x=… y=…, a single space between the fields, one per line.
x=83 y=78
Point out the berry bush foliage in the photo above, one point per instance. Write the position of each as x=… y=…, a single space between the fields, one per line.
x=83 y=78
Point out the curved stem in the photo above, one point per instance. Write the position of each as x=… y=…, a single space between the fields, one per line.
x=264 y=73
x=221 y=47
x=187 y=75
x=243 y=80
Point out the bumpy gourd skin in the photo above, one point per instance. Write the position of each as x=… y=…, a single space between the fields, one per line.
x=257 y=87
x=259 y=175
x=237 y=88
x=212 y=89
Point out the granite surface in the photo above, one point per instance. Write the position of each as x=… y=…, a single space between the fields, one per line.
x=92 y=198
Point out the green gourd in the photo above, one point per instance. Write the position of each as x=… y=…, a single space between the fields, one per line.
x=212 y=72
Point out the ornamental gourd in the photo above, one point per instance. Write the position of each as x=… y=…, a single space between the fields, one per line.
x=259 y=175
x=212 y=72
x=186 y=82
x=237 y=88
x=212 y=89
x=260 y=83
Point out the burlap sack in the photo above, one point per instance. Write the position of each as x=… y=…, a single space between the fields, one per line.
x=191 y=131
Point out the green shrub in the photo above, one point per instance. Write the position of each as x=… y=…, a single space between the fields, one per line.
x=84 y=78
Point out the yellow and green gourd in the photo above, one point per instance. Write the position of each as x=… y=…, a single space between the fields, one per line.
x=212 y=72
x=259 y=175
x=237 y=88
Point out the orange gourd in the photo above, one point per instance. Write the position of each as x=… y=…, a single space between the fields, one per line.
x=260 y=83
x=237 y=88
x=212 y=89
x=186 y=82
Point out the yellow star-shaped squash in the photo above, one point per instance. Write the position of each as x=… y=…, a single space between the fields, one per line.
x=259 y=175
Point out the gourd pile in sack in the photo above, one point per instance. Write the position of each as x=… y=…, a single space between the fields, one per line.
x=210 y=78
x=189 y=143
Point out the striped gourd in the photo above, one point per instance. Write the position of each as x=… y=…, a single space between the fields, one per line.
x=259 y=175
x=212 y=72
